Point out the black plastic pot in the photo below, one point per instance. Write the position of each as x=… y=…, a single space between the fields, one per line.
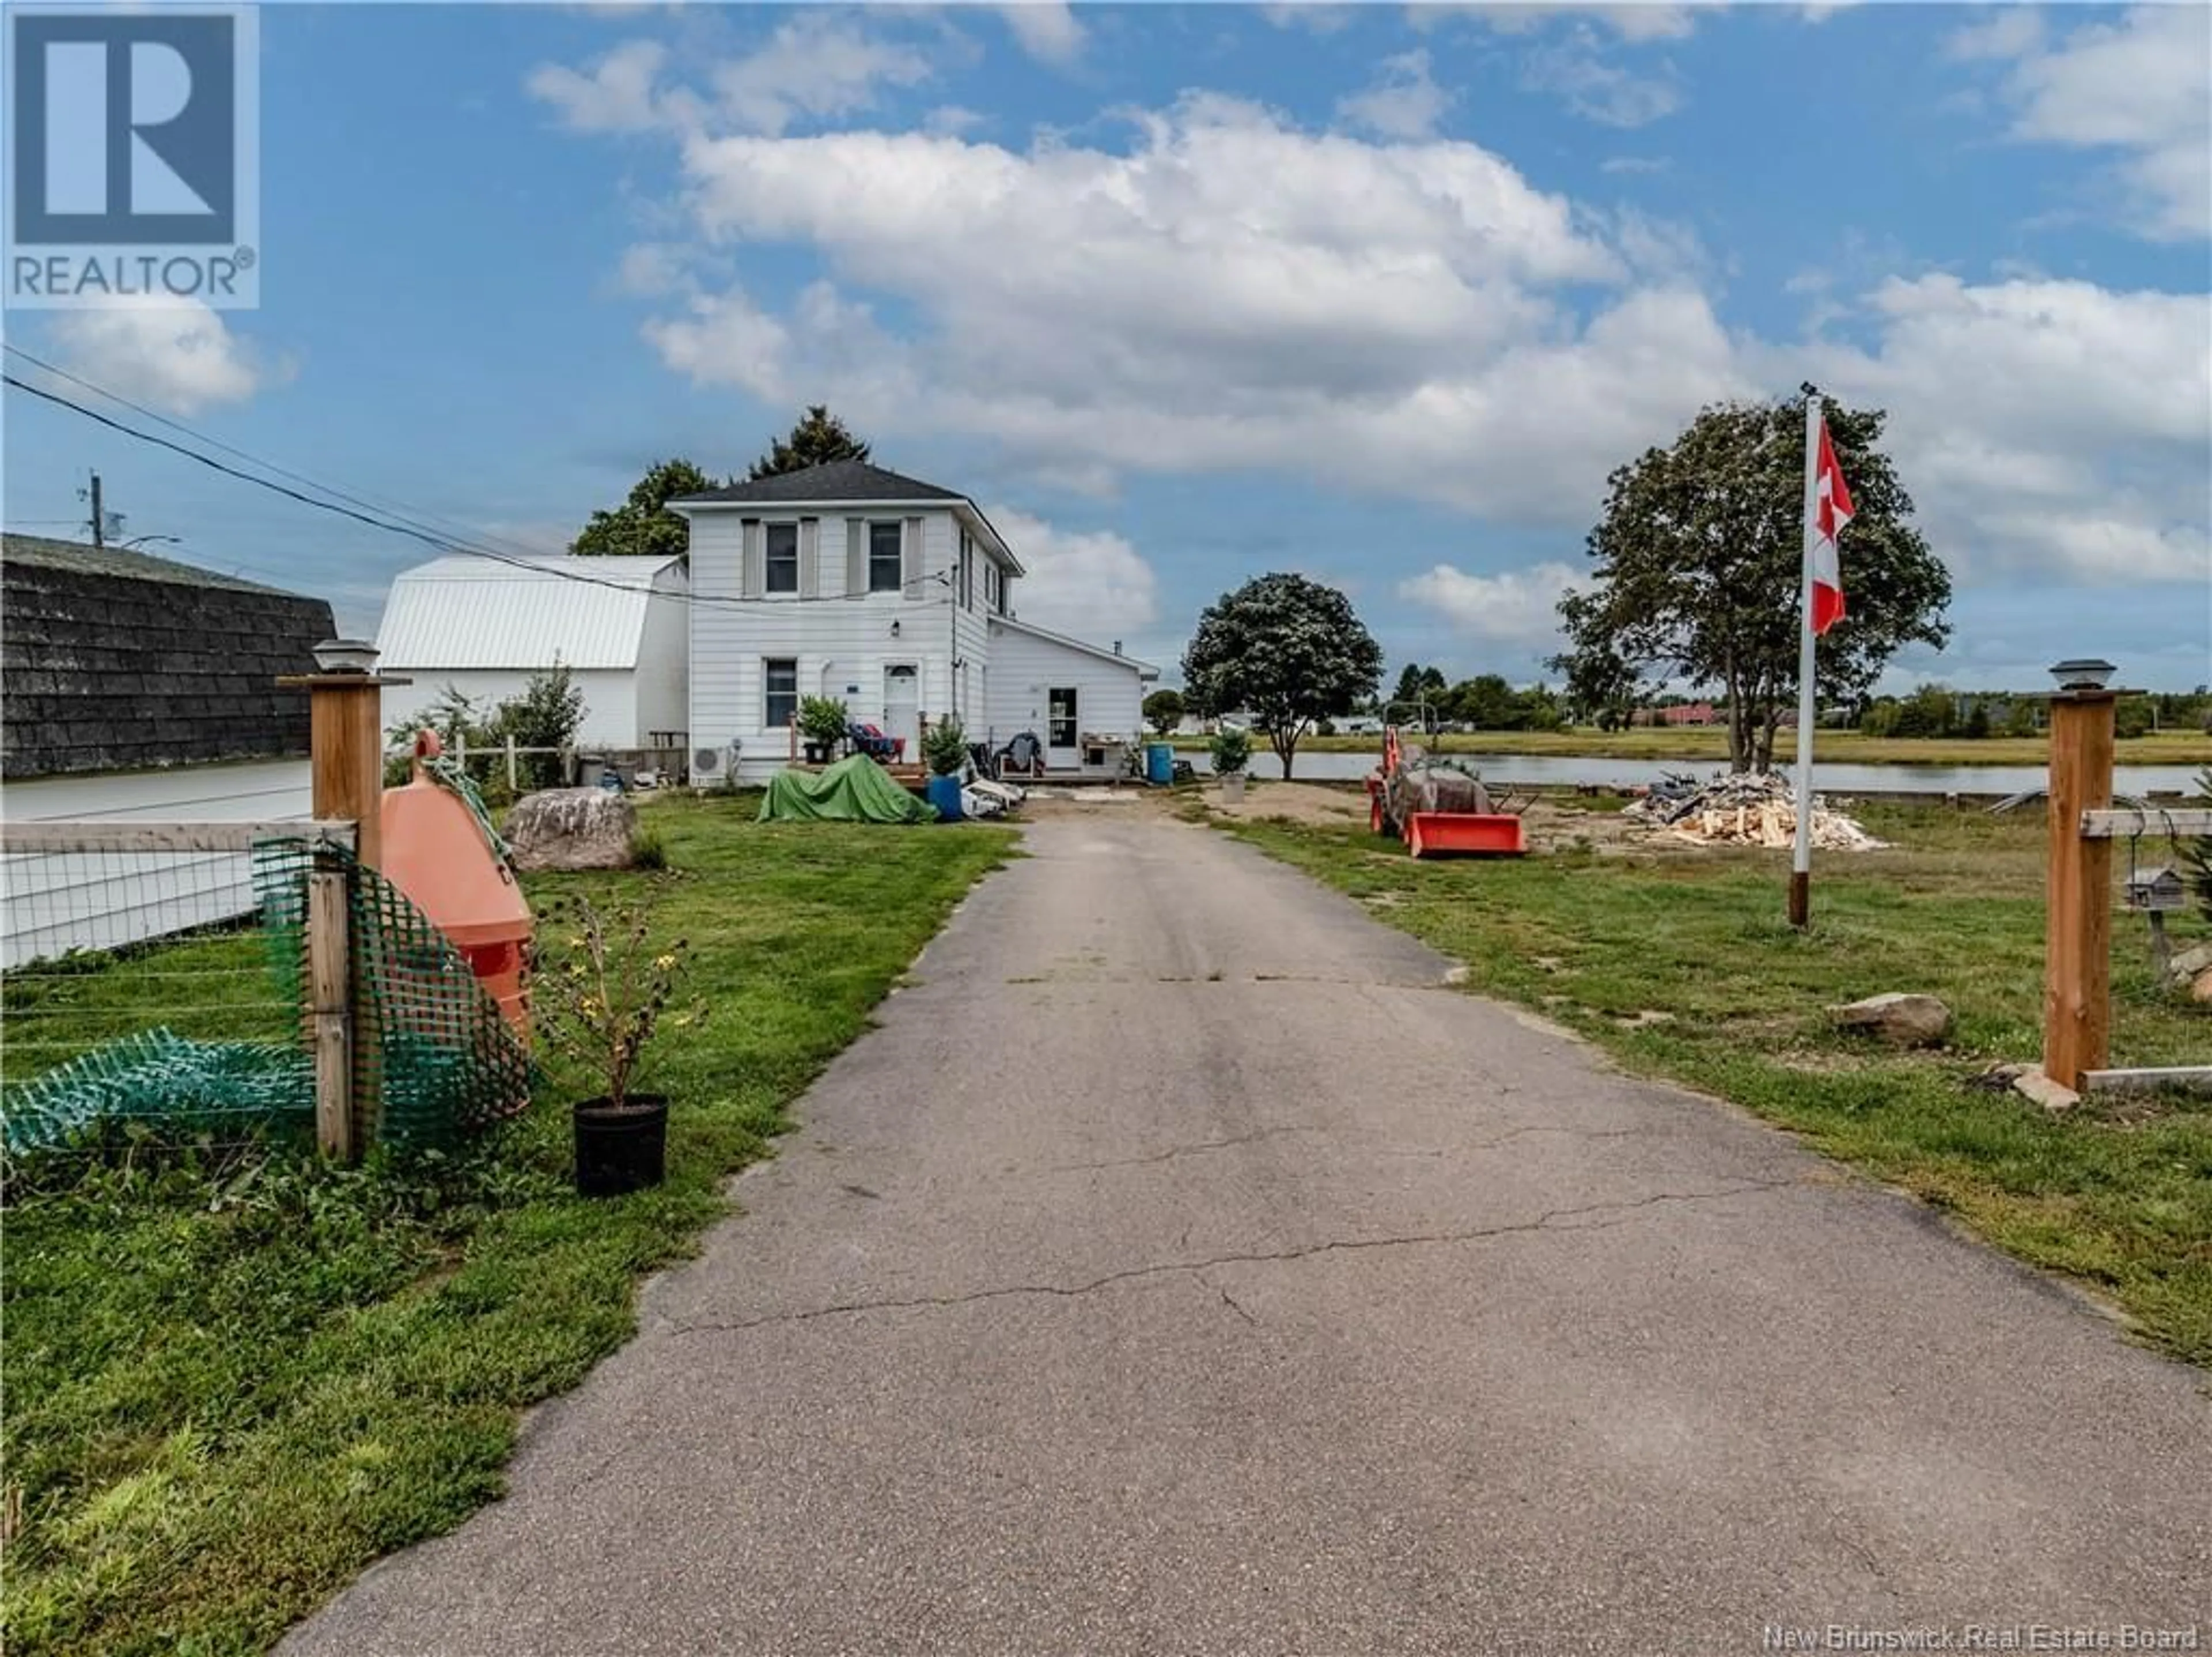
x=621 y=1147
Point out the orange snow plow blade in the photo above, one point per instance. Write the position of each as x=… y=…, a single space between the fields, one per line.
x=1441 y=833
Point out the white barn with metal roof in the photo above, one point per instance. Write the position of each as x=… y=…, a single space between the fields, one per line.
x=485 y=625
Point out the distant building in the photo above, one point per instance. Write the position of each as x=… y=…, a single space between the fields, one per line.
x=1686 y=713
x=485 y=626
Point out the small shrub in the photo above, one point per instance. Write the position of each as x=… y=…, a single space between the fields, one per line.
x=946 y=747
x=822 y=719
x=647 y=849
x=1232 y=750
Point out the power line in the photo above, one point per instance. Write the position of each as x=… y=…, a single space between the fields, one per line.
x=399 y=510
x=396 y=524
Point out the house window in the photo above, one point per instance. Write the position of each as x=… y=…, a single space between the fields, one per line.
x=885 y=572
x=782 y=697
x=967 y=572
x=783 y=559
x=1060 y=717
x=991 y=585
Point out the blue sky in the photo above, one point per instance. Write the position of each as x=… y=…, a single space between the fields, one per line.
x=1185 y=294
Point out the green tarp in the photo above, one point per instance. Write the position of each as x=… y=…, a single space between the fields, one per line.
x=854 y=790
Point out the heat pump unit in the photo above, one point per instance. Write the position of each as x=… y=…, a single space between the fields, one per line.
x=714 y=767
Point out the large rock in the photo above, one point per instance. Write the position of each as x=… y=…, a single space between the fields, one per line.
x=2188 y=965
x=572 y=828
x=1903 y=1021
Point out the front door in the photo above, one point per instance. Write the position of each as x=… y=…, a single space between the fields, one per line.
x=1063 y=731
x=903 y=707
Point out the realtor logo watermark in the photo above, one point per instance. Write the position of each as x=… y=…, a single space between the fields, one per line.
x=134 y=142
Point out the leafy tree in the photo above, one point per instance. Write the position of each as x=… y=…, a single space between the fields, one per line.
x=818 y=438
x=547 y=714
x=642 y=525
x=1487 y=703
x=1977 y=721
x=1288 y=648
x=1697 y=562
x=1164 y=712
x=1417 y=685
x=2021 y=722
x=2133 y=717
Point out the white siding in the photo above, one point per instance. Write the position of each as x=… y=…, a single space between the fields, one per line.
x=841 y=643
x=611 y=713
x=663 y=691
x=56 y=902
x=1024 y=668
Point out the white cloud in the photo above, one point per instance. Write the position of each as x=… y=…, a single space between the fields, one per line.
x=952 y=120
x=2139 y=86
x=1226 y=292
x=178 y=355
x=1632 y=22
x=1047 y=29
x=2004 y=32
x=813 y=65
x=2045 y=426
x=1092 y=585
x=1517 y=607
x=1404 y=101
x=1575 y=71
x=1314 y=16
x=1229 y=291
x=1635 y=164
x=616 y=94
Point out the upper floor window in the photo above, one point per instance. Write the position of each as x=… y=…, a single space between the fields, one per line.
x=967 y=571
x=783 y=559
x=886 y=572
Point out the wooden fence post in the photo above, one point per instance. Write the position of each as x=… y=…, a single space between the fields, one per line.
x=330 y=976
x=2077 y=1015
x=346 y=773
x=512 y=786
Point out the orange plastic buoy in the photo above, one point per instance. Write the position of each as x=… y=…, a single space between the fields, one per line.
x=435 y=852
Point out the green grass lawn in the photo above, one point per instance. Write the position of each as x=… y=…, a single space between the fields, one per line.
x=1710 y=744
x=228 y=1392
x=2117 y=1196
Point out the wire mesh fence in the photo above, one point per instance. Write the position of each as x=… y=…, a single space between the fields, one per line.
x=102 y=941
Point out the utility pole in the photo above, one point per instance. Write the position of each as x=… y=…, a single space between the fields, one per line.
x=99 y=517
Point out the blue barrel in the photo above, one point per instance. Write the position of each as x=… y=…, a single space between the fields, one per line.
x=1160 y=764
x=944 y=793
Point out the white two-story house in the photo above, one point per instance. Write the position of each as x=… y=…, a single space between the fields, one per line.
x=898 y=598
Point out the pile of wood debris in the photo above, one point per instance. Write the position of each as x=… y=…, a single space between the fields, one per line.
x=1743 y=810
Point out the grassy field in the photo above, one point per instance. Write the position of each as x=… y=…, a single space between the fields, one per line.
x=1710 y=744
x=227 y=1394
x=2119 y=1196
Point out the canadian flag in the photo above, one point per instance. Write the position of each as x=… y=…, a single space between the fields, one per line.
x=1832 y=510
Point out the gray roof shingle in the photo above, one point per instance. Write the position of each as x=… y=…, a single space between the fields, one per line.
x=76 y=555
x=837 y=481
x=114 y=661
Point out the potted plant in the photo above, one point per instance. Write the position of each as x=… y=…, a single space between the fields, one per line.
x=822 y=726
x=599 y=994
x=945 y=750
x=1232 y=752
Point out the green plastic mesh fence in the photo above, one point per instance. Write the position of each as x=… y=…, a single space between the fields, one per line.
x=186 y=1088
x=433 y=1049
x=441 y=1058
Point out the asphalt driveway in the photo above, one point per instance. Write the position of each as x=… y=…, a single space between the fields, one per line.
x=1183 y=1267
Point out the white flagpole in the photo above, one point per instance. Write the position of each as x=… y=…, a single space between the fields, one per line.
x=1800 y=864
